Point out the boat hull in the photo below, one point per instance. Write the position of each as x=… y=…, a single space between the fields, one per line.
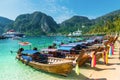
x=58 y=68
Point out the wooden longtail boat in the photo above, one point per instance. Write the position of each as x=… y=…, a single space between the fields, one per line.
x=111 y=40
x=96 y=49
x=54 y=65
x=85 y=56
x=115 y=39
x=82 y=58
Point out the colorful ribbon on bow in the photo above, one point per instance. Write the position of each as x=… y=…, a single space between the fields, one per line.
x=93 y=61
x=110 y=51
x=77 y=69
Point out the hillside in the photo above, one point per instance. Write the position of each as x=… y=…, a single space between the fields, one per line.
x=107 y=23
x=104 y=24
x=75 y=23
x=36 y=23
x=3 y=23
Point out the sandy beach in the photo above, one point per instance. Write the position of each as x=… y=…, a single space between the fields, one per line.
x=111 y=71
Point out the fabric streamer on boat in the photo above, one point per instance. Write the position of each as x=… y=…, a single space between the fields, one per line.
x=93 y=61
x=77 y=69
x=103 y=56
x=106 y=58
x=110 y=51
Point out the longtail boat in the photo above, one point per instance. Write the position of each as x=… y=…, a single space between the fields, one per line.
x=53 y=65
x=81 y=57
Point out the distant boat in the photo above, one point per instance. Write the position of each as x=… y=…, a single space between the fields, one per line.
x=75 y=33
x=2 y=37
x=16 y=38
x=12 y=33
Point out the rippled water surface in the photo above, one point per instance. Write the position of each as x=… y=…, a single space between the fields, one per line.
x=12 y=69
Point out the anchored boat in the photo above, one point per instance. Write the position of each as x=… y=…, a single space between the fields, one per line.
x=50 y=64
x=12 y=33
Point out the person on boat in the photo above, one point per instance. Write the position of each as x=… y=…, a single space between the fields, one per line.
x=61 y=43
x=54 y=46
x=35 y=56
x=35 y=48
x=39 y=57
x=50 y=47
x=50 y=52
x=60 y=54
x=19 y=52
x=43 y=58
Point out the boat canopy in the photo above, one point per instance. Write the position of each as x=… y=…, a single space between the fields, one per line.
x=29 y=52
x=68 y=45
x=49 y=50
x=90 y=40
x=73 y=44
x=24 y=43
x=66 y=48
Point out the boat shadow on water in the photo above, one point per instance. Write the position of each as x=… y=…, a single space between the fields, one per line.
x=70 y=76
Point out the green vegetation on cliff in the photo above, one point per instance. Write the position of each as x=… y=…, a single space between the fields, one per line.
x=75 y=23
x=38 y=23
x=107 y=23
x=3 y=23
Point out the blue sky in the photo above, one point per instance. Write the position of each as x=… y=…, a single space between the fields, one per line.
x=60 y=10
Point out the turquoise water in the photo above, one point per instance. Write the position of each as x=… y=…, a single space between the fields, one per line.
x=12 y=69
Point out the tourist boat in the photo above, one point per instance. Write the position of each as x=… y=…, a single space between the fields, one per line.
x=71 y=51
x=2 y=37
x=12 y=33
x=75 y=33
x=16 y=38
x=53 y=65
x=81 y=58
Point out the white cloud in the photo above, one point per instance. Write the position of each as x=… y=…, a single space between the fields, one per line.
x=12 y=8
x=60 y=13
x=64 y=14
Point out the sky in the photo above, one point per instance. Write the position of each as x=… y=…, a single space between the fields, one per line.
x=60 y=10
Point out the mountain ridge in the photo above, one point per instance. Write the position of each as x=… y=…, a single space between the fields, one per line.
x=3 y=23
x=38 y=23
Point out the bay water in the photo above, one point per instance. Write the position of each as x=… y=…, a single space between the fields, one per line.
x=12 y=69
